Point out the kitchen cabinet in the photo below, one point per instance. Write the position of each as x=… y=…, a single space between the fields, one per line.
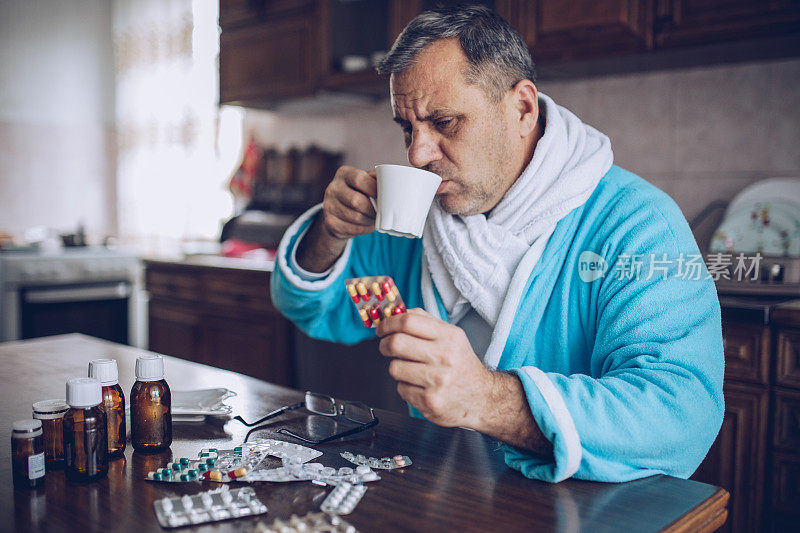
x=561 y=31
x=756 y=456
x=219 y=316
x=281 y=49
x=687 y=22
x=785 y=460
x=272 y=51
x=268 y=51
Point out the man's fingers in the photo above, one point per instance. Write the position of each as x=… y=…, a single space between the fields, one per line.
x=410 y=372
x=410 y=393
x=403 y=346
x=416 y=322
x=364 y=182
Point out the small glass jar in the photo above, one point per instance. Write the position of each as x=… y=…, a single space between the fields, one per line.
x=105 y=370
x=27 y=454
x=51 y=413
x=85 y=437
x=151 y=406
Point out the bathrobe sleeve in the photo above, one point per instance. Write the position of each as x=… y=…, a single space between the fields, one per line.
x=321 y=308
x=652 y=400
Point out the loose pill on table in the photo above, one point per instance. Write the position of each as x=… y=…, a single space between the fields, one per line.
x=239 y=472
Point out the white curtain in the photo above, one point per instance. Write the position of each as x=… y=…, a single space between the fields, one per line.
x=176 y=148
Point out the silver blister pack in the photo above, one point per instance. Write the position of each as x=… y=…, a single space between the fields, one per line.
x=384 y=463
x=292 y=470
x=344 y=498
x=310 y=523
x=209 y=506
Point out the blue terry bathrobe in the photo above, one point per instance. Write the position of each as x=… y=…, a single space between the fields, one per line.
x=616 y=341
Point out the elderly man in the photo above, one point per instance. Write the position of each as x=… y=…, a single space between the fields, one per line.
x=557 y=315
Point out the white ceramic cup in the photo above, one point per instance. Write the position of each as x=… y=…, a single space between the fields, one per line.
x=404 y=199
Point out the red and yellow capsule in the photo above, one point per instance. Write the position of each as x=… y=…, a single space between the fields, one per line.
x=376 y=289
x=364 y=316
x=362 y=290
x=239 y=472
x=375 y=313
x=400 y=309
x=386 y=286
x=351 y=290
x=387 y=311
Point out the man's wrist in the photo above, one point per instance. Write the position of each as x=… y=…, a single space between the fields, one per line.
x=319 y=248
x=481 y=418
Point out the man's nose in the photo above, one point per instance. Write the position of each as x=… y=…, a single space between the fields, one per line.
x=423 y=149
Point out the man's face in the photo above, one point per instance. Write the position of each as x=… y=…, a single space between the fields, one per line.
x=453 y=129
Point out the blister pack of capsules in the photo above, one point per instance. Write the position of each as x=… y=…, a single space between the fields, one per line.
x=310 y=523
x=293 y=470
x=224 y=466
x=384 y=463
x=209 y=506
x=375 y=298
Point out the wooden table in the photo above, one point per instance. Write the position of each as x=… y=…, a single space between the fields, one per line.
x=458 y=480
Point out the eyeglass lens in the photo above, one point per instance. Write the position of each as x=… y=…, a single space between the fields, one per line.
x=320 y=404
x=357 y=412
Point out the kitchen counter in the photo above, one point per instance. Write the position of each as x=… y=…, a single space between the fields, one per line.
x=218 y=261
x=754 y=309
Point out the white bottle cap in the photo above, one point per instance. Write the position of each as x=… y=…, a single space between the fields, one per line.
x=105 y=371
x=50 y=409
x=24 y=429
x=149 y=368
x=84 y=392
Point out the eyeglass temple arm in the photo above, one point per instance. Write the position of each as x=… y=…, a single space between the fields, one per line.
x=273 y=414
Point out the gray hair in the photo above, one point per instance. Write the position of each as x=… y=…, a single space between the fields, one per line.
x=497 y=56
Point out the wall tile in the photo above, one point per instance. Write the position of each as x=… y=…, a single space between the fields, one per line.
x=720 y=123
x=782 y=107
x=637 y=114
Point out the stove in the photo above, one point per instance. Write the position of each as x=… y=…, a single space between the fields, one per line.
x=93 y=290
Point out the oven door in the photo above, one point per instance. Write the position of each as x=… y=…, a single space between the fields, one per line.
x=97 y=309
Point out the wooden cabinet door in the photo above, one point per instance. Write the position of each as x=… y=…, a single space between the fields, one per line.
x=261 y=63
x=684 y=22
x=747 y=352
x=555 y=30
x=787 y=366
x=258 y=349
x=175 y=330
x=737 y=460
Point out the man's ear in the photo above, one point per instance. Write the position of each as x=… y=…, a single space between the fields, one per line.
x=525 y=101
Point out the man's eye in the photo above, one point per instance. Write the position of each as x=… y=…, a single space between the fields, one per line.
x=441 y=124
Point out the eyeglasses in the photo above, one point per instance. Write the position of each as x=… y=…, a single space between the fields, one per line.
x=321 y=404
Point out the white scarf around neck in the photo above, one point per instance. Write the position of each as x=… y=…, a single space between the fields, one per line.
x=472 y=258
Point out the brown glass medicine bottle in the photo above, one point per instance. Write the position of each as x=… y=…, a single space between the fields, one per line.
x=151 y=406
x=51 y=413
x=105 y=371
x=85 y=426
x=27 y=454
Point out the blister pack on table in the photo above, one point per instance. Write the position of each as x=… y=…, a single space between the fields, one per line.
x=375 y=298
x=223 y=466
x=209 y=506
x=310 y=523
x=293 y=470
x=384 y=463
